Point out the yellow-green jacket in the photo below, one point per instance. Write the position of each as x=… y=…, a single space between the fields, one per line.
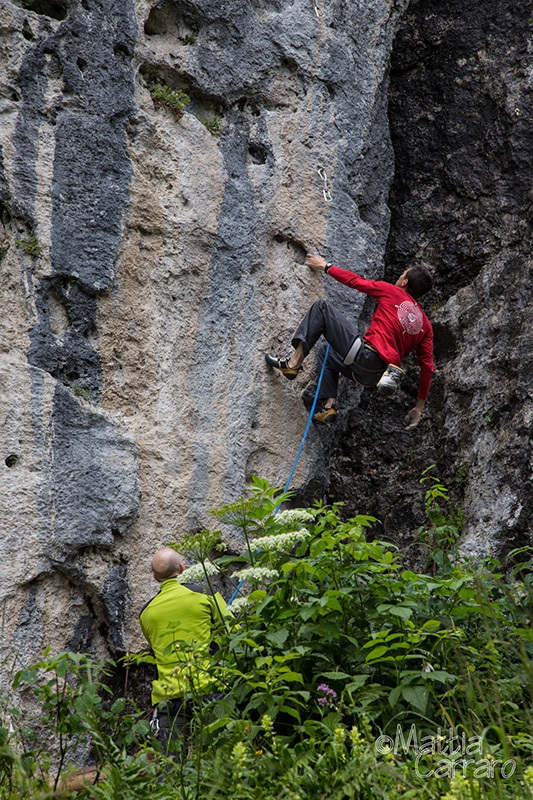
x=178 y=623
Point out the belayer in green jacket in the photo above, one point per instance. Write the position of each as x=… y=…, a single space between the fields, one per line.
x=179 y=623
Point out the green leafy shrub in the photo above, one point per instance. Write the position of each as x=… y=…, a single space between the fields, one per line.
x=175 y=99
x=336 y=648
x=70 y=689
x=335 y=631
x=214 y=126
x=445 y=529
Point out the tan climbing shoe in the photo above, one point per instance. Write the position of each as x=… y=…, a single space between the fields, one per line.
x=327 y=416
x=283 y=365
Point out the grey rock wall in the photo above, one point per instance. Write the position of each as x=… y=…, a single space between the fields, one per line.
x=69 y=470
x=148 y=264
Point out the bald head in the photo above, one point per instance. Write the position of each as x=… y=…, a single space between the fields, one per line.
x=167 y=564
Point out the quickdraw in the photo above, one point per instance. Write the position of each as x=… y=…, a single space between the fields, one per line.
x=318 y=12
x=325 y=191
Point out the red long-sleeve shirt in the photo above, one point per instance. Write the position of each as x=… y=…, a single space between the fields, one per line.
x=398 y=324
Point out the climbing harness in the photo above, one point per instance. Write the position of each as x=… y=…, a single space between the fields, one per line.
x=298 y=454
x=325 y=191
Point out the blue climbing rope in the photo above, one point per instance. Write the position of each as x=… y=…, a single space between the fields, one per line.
x=309 y=420
x=298 y=454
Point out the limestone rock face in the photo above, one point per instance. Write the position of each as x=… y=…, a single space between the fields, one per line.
x=149 y=260
x=70 y=486
x=150 y=255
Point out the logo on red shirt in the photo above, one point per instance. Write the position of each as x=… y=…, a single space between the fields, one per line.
x=410 y=318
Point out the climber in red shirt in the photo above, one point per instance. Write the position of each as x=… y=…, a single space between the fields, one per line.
x=398 y=326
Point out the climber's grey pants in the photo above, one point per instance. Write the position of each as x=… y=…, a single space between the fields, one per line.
x=362 y=364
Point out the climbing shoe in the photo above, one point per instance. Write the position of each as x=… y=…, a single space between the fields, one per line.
x=327 y=416
x=283 y=365
x=389 y=382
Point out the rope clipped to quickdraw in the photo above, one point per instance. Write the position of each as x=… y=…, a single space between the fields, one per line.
x=298 y=454
x=328 y=199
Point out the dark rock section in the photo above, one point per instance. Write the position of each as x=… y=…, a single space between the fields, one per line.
x=92 y=489
x=55 y=9
x=89 y=497
x=29 y=622
x=30 y=93
x=460 y=114
x=75 y=91
x=115 y=599
x=5 y=208
x=87 y=64
x=61 y=341
x=83 y=636
x=232 y=56
x=460 y=111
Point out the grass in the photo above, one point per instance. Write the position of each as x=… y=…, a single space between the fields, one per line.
x=30 y=245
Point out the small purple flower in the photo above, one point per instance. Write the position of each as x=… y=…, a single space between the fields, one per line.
x=326 y=690
x=328 y=695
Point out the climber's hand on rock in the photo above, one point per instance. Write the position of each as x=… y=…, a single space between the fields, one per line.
x=315 y=262
x=412 y=418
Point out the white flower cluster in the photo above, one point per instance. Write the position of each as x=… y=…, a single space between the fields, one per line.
x=293 y=516
x=240 y=604
x=196 y=572
x=281 y=543
x=256 y=574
